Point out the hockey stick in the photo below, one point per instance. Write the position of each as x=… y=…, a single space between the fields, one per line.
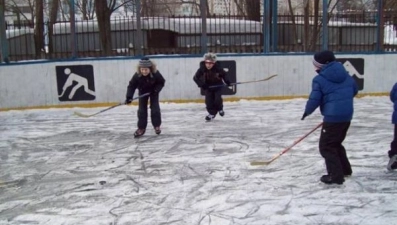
x=244 y=82
x=111 y=107
x=264 y=163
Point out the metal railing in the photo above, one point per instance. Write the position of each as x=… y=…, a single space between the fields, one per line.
x=183 y=35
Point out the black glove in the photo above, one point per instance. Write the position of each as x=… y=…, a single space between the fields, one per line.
x=156 y=91
x=128 y=100
x=228 y=83
x=304 y=115
x=204 y=86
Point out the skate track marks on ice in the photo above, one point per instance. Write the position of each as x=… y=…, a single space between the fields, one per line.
x=57 y=168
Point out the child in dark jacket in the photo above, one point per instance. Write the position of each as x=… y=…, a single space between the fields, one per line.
x=147 y=79
x=333 y=90
x=392 y=165
x=210 y=74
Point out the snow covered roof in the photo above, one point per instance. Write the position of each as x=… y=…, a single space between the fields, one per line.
x=18 y=32
x=179 y=25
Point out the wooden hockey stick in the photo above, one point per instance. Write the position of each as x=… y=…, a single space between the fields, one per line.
x=244 y=82
x=104 y=110
x=264 y=163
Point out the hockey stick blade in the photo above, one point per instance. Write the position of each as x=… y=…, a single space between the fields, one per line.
x=109 y=108
x=262 y=163
x=265 y=163
x=81 y=115
x=104 y=110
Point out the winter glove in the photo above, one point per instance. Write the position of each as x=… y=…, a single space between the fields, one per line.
x=128 y=100
x=304 y=116
x=204 y=86
x=228 y=83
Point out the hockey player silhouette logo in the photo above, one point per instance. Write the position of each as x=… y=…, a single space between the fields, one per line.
x=75 y=83
x=355 y=68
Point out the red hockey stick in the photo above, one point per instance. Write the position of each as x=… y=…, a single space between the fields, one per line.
x=264 y=163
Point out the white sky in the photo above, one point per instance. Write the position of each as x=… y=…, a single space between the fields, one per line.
x=195 y=172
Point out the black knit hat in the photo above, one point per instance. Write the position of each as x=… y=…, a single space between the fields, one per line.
x=145 y=63
x=322 y=58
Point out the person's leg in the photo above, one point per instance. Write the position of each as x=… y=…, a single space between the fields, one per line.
x=155 y=113
x=218 y=102
x=142 y=112
x=210 y=103
x=346 y=167
x=392 y=165
x=393 y=144
x=329 y=145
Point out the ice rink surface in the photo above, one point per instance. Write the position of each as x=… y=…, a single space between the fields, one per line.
x=57 y=168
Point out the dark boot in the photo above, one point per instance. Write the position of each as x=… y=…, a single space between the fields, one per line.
x=209 y=117
x=392 y=165
x=328 y=179
x=157 y=130
x=139 y=132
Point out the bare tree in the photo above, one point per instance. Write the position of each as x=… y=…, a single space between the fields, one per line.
x=317 y=24
x=21 y=8
x=129 y=6
x=65 y=10
x=86 y=7
x=240 y=7
x=294 y=26
x=53 y=16
x=306 y=23
x=253 y=9
x=39 y=27
x=103 y=11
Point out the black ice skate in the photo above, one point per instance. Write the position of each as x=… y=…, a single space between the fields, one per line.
x=392 y=165
x=209 y=118
x=157 y=130
x=139 y=132
x=328 y=179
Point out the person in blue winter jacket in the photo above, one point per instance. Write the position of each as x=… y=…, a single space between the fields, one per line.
x=392 y=165
x=333 y=90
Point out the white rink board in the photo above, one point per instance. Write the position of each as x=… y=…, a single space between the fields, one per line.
x=35 y=84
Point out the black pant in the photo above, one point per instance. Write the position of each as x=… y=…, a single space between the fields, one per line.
x=393 y=144
x=332 y=150
x=213 y=101
x=155 y=113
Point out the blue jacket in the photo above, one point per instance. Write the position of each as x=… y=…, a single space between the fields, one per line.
x=393 y=98
x=333 y=89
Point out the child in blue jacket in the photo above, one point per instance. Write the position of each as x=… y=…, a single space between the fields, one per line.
x=333 y=90
x=392 y=165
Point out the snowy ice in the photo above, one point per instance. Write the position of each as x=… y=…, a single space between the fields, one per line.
x=57 y=168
